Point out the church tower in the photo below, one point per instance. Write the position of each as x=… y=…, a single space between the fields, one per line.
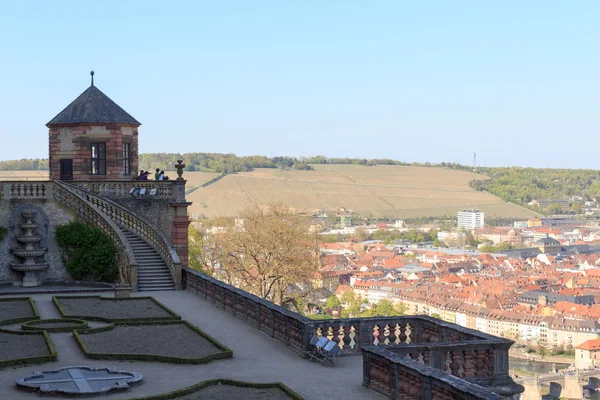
x=93 y=139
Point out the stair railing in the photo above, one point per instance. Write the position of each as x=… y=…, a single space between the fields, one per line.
x=140 y=226
x=87 y=211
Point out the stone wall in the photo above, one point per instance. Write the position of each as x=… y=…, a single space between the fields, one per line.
x=56 y=271
x=74 y=142
x=159 y=212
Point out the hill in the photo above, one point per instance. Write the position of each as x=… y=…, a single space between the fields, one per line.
x=378 y=191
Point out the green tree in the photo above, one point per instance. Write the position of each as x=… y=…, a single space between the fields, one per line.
x=554 y=208
x=438 y=243
x=333 y=302
x=348 y=297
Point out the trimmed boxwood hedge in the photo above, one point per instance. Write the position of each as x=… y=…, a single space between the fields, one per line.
x=174 y=316
x=31 y=360
x=211 y=382
x=35 y=316
x=38 y=325
x=224 y=351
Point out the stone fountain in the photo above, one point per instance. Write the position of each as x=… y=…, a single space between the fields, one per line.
x=29 y=250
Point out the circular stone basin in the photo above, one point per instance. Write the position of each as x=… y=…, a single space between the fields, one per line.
x=79 y=381
x=29 y=253
x=29 y=239
x=54 y=325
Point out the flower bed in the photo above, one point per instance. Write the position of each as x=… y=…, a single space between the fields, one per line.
x=25 y=348
x=113 y=310
x=167 y=341
x=17 y=309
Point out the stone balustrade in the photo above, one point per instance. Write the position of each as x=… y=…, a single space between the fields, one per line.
x=26 y=190
x=451 y=350
x=87 y=211
x=399 y=377
x=139 y=226
x=165 y=190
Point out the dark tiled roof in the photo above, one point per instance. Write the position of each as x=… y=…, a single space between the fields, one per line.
x=93 y=106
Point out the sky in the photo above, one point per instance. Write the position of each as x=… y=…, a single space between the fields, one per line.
x=518 y=82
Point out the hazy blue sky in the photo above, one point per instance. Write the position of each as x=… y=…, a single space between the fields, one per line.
x=516 y=81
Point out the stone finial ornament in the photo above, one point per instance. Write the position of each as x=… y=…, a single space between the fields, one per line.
x=180 y=166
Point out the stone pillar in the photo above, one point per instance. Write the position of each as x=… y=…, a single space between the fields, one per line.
x=179 y=230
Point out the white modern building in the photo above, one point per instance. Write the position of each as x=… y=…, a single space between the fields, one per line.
x=470 y=219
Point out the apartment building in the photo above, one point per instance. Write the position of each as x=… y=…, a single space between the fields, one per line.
x=470 y=219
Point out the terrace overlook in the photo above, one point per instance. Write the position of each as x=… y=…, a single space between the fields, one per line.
x=93 y=160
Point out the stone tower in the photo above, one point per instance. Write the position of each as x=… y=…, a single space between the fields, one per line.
x=93 y=139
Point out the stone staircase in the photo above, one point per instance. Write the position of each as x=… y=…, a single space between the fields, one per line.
x=153 y=273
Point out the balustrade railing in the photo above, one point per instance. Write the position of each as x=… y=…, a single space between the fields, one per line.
x=399 y=377
x=121 y=189
x=451 y=350
x=484 y=362
x=88 y=212
x=29 y=190
x=139 y=226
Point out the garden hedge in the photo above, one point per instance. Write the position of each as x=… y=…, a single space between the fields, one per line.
x=211 y=382
x=33 y=325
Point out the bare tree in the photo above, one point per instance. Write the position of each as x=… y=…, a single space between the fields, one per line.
x=267 y=250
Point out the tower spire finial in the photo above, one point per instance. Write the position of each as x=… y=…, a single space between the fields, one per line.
x=92 y=74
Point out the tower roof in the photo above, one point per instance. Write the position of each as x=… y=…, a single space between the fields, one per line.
x=93 y=107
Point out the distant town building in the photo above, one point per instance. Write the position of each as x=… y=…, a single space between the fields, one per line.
x=587 y=354
x=470 y=219
x=548 y=245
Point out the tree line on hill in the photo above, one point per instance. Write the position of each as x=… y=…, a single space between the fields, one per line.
x=523 y=185
x=25 y=164
x=230 y=163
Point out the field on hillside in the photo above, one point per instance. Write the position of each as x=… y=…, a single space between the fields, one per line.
x=394 y=191
x=23 y=175
x=193 y=178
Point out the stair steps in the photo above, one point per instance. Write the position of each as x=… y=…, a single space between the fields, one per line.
x=153 y=273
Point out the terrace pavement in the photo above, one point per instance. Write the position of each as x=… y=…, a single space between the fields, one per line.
x=256 y=358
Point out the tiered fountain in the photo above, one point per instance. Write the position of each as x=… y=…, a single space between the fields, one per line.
x=29 y=250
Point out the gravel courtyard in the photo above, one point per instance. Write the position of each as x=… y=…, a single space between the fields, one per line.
x=256 y=358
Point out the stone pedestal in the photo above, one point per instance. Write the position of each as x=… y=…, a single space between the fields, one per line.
x=30 y=279
x=122 y=291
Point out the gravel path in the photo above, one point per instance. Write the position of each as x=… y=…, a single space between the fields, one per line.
x=167 y=340
x=15 y=309
x=112 y=309
x=219 y=392
x=22 y=346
